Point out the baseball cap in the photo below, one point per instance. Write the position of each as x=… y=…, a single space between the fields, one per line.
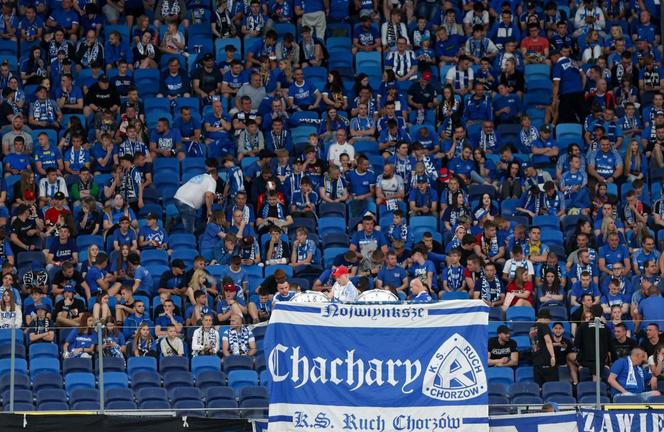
x=69 y=288
x=59 y=196
x=42 y=307
x=504 y=329
x=208 y=56
x=103 y=78
x=124 y=218
x=22 y=209
x=178 y=263
x=341 y=270
x=230 y=287
x=151 y=216
x=247 y=241
x=426 y=76
x=545 y=128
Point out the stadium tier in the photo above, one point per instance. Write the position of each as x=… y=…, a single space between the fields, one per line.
x=171 y=171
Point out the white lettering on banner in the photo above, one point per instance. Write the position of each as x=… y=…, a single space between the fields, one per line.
x=455 y=372
x=335 y=310
x=606 y=423
x=358 y=373
x=625 y=421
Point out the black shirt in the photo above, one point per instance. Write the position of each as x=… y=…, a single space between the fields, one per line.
x=21 y=228
x=584 y=340
x=208 y=80
x=539 y=351
x=650 y=348
x=561 y=348
x=102 y=98
x=621 y=349
x=75 y=280
x=73 y=310
x=498 y=350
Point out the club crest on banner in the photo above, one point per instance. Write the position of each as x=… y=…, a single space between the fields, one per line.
x=455 y=372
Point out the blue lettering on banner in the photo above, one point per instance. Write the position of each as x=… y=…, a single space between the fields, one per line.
x=378 y=367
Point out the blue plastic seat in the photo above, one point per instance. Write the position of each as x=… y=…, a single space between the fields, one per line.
x=20 y=396
x=524 y=374
x=178 y=379
x=140 y=364
x=118 y=394
x=185 y=393
x=47 y=381
x=186 y=255
x=331 y=224
x=225 y=409
x=261 y=406
x=115 y=380
x=51 y=395
x=220 y=393
x=53 y=406
x=21 y=407
x=155 y=405
x=242 y=378
x=237 y=362
x=43 y=365
x=20 y=366
x=121 y=405
x=154 y=257
x=21 y=381
x=248 y=393
x=209 y=379
x=76 y=364
x=84 y=395
x=79 y=380
x=556 y=388
x=43 y=350
x=500 y=375
x=85 y=240
x=85 y=406
x=524 y=389
x=520 y=313
x=168 y=364
x=200 y=364
x=151 y=394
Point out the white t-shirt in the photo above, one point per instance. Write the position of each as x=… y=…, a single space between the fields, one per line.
x=192 y=193
x=345 y=294
x=336 y=150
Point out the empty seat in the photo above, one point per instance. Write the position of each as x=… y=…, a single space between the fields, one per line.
x=242 y=378
x=144 y=379
x=51 y=395
x=44 y=365
x=589 y=388
x=43 y=350
x=524 y=374
x=200 y=364
x=168 y=364
x=155 y=405
x=115 y=380
x=113 y=364
x=185 y=393
x=76 y=365
x=208 y=379
x=53 y=406
x=50 y=380
x=237 y=362
x=85 y=406
x=500 y=375
x=260 y=406
x=247 y=393
x=524 y=389
x=138 y=364
x=121 y=405
x=223 y=409
x=220 y=392
x=550 y=389
x=189 y=407
x=178 y=379
x=119 y=394
x=84 y=395
x=79 y=380
x=151 y=394
x=20 y=396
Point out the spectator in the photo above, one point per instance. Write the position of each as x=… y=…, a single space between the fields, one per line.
x=542 y=349
x=502 y=349
x=238 y=339
x=629 y=378
x=143 y=344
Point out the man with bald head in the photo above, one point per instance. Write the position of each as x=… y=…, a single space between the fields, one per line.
x=419 y=292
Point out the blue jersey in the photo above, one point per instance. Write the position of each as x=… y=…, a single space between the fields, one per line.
x=421 y=271
x=49 y=158
x=454 y=275
x=157 y=235
x=569 y=76
x=303 y=94
x=360 y=184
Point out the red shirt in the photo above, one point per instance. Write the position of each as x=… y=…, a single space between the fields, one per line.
x=528 y=286
x=51 y=216
x=538 y=44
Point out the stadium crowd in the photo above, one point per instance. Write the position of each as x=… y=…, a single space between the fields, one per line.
x=173 y=169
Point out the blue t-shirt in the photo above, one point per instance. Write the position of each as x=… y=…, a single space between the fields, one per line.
x=578 y=291
x=124 y=239
x=621 y=369
x=62 y=252
x=360 y=184
x=149 y=235
x=569 y=76
x=303 y=95
x=652 y=309
x=167 y=140
x=76 y=340
x=93 y=275
x=392 y=277
x=142 y=275
x=49 y=158
x=421 y=270
x=367 y=243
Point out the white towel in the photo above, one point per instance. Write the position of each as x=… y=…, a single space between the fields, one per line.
x=631 y=376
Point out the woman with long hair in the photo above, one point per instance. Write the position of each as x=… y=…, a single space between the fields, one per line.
x=120 y=264
x=10 y=312
x=34 y=68
x=551 y=293
x=101 y=309
x=333 y=93
x=114 y=344
x=89 y=218
x=451 y=109
x=91 y=258
x=485 y=209
x=81 y=342
x=200 y=281
x=25 y=190
x=520 y=290
x=607 y=228
x=636 y=164
x=456 y=211
x=329 y=125
x=115 y=211
x=143 y=344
